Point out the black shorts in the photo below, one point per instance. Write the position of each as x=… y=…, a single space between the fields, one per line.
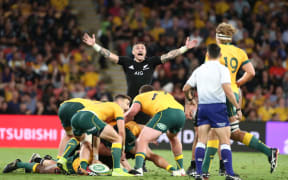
x=142 y=118
x=129 y=143
x=107 y=160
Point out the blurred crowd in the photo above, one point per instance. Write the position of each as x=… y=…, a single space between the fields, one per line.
x=42 y=59
x=43 y=62
x=163 y=25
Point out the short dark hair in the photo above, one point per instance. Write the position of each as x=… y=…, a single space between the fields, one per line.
x=122 y=96
x=146 y=88
x=139 y=42
x=213 y=51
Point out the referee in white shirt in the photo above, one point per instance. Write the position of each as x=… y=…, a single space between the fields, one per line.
x=213 y=84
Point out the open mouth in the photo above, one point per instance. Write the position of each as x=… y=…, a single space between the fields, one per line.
x=140 y=54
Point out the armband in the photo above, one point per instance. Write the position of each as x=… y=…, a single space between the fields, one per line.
x=97 y=47
x=183 y=49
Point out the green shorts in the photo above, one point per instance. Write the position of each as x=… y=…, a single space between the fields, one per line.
x=169 y=119
x=66 y=111
x=230 y=107
x=129 y=142
x=87 y=122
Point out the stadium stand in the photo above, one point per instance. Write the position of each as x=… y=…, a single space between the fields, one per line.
x=43 y=62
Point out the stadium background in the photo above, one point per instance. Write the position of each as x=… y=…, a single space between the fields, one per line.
x=44 y=62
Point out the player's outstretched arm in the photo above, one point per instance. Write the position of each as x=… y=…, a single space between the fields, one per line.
x=248 y=75
x=176 y=52
x=90 y=41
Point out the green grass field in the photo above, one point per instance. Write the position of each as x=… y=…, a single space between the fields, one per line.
x=252 y=166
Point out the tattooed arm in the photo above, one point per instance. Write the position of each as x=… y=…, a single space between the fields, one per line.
x=176 y=52
x=109 y=55
x=170 y=55
x=105 y=52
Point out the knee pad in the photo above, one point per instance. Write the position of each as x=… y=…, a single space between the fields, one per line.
x=234 y=126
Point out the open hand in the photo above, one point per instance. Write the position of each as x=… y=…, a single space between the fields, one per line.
x=88 y=39
x=191 y=44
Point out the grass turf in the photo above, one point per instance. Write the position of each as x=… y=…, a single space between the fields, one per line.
x=248 y=165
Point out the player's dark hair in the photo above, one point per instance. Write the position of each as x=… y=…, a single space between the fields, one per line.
x=122 y=96
x=146 y=88
x=213 y=51
x=139 y=42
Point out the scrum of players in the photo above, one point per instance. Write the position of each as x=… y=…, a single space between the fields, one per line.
x=103 y=135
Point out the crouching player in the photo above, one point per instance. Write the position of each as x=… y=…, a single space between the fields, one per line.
x=66 y=110
x=133 y=130
x=48 y=166
x=92 y=120
x=167 y=115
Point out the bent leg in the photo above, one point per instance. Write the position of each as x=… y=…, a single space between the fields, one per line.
x=47 y=167
x=85 y=155
x=176 y=147
x=147 y=135
x=68 y=135
x=112 y=136
x=249 y=140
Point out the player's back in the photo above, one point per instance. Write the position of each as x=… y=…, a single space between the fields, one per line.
x=105 y=111
x=153 y=102
x=84 y=102
x=233 y=58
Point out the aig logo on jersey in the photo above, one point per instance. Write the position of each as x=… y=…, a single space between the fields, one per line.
x=162 y=126
x=138 y=73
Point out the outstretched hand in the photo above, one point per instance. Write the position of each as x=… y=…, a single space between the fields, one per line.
x=191 y=44
x=89 y=40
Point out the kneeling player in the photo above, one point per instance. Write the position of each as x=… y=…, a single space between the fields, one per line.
x=167 y=115
x=92 y=120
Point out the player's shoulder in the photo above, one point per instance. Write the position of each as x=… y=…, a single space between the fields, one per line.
x=235 y=48
x=200 y=67
x=125 y=60
x=128 y=58
x=111 y=103
x=223 y=68
x=241 y=51
x=149 y=92
x=143 y=95
x=153 y=60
